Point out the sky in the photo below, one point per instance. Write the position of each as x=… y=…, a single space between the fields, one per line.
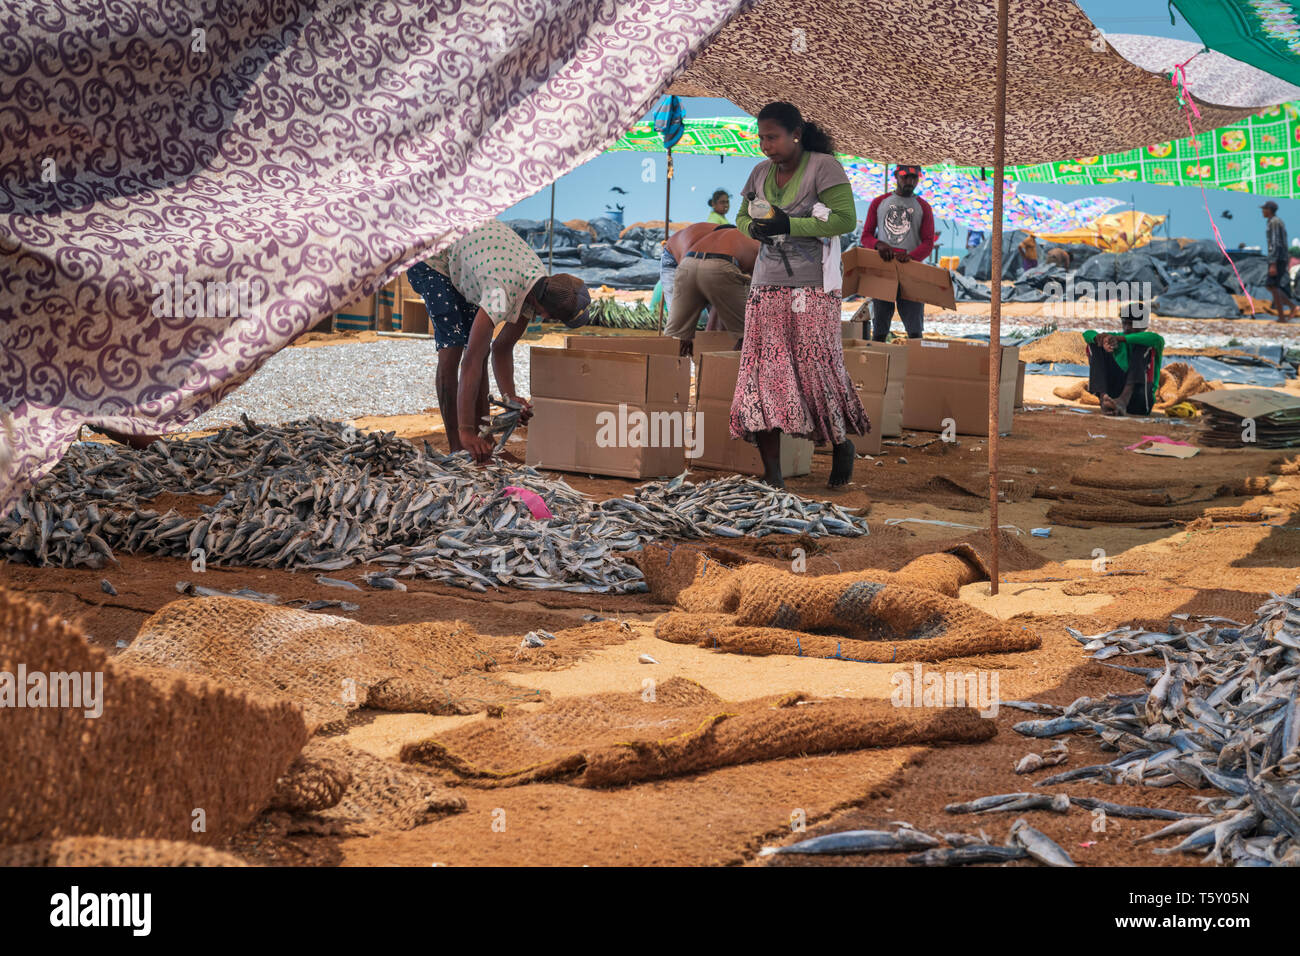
x=585 y=192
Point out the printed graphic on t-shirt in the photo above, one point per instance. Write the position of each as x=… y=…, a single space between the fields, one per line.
x=898 y=223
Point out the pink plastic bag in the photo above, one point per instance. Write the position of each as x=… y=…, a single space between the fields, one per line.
x=532 y=499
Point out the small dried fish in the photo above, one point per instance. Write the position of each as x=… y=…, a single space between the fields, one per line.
x=971 y=853
x=1041 y=847
x=858 y=841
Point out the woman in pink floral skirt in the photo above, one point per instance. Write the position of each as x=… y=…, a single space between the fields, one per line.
x=792 y=375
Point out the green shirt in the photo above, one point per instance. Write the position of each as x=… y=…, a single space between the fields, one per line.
x=717 y=217
x=1134 y=340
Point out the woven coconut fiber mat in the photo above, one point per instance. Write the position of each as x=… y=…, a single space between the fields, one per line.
x=677 y=727
x=329 y=665
x=339 y=790
x=163 y=744
x=107 y=851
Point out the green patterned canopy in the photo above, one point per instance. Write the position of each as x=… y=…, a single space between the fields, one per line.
x=1258 y=155
x=1263 y=33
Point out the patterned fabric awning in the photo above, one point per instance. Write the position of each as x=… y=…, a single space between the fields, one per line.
x=913 y=82
x=1264 y=33
x=185 y=188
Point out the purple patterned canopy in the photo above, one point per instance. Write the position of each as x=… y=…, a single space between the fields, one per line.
x=306 y=150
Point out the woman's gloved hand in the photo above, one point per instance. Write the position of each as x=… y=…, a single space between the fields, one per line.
x=778 y=224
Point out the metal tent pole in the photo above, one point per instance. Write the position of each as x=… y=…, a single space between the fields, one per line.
x=550 y=236
x=995 y=317
x=668 y=202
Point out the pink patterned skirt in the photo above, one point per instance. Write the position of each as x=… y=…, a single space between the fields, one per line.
x=792 y=375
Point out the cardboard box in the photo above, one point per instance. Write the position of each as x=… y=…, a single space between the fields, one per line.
x=865 y=273
x=605 y=377
x=356 y=316
x=855 y=329
x=874 y=405
x=715 y=342
x=385 y=306
x=889 y=424
x=591 y=437
x=640 y=344
x=652 y=344
x=415 y=317
x=869 y=371
x=950 y=380
x=609 y=413
x=715 y=389
x=1020 y=384
x=922 y=283
x=719 y=450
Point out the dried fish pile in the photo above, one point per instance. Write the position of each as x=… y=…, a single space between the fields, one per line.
x=1221 y=713
x=1023 y=842
x=321 y=496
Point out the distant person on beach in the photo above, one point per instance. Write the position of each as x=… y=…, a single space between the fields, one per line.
x=1279 y=258
x=674 y=251
x=792 y=379
x=490 y=277
x=1124 y=370
x=719 y=206
x=715 y=273
x=1058 y=257
x=900 y=226
x=1028 y=253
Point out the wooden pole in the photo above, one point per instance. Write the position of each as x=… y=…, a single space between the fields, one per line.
x=995 y=310
x=668 y=202
x=550 y=236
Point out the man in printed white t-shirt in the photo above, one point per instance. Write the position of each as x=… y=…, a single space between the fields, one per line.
x=900 y=225
x=490 y=277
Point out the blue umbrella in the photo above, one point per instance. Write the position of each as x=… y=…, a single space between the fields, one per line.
x=670 y=122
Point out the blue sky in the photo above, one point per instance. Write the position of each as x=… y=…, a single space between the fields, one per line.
x=585 y=192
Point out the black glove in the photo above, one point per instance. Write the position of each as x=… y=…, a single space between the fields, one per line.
x=777 y=225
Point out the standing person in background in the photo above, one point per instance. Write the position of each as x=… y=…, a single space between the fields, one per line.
x=719 y=206
x=792 y=377
x=715 y=273
x=1279 y=258
x=900 y=225
x=673 y=253
x=1028 y=253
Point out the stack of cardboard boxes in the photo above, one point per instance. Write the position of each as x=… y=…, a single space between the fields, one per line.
x=878 y=373
x=714 y=389
x=621 y=413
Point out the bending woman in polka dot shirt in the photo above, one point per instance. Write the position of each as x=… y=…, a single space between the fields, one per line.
x=489 y=278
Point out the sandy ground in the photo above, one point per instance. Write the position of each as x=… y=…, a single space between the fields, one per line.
x=725 y=816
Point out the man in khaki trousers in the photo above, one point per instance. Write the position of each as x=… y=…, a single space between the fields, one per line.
x=715 y=272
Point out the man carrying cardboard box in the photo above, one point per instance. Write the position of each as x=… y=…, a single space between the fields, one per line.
x=715 y=272
x=900 y=225
x=490 y=277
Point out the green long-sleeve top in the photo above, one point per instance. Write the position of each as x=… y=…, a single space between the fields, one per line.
x=818 y=178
